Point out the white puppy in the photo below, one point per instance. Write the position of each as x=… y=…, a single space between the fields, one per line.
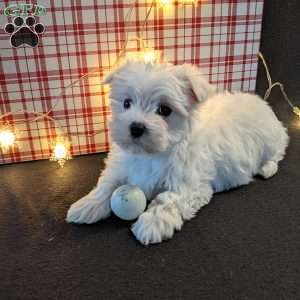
x=179 y=142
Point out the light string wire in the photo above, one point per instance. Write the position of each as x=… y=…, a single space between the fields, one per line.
x=93 y=71
x=271 y=85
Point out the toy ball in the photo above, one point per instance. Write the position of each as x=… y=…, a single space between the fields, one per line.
x=128 y=202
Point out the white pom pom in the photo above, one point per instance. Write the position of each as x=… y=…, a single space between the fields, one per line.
x=128 y=202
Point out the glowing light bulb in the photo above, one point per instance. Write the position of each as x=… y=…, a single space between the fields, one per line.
x=193 y=2
x=147 y=54
x=296 y=111
x=165 y=2
x=7 y=138
x=150 y=55
x=61 y=152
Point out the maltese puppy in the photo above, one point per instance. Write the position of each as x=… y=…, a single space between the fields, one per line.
x=180 y=142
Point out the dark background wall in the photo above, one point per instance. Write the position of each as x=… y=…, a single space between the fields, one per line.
x=280 y=44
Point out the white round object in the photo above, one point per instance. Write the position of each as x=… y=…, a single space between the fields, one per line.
x=128 y=202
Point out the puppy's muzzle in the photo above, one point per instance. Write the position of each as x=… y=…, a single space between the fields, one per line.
x=137 y=129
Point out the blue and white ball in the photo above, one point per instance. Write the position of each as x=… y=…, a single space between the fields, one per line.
x=128 y=202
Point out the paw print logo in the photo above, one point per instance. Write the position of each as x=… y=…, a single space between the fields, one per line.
x=24 y=32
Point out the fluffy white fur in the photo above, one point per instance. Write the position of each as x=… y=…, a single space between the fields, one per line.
x=210 y=142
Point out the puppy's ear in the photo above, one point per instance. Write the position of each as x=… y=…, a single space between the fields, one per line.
x=126 y=66
x=113 y=74
x=197 y=86
x=109 y=77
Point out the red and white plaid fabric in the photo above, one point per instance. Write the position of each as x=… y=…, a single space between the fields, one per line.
x=221 y=36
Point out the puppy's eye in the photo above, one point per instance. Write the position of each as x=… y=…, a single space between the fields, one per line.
x=127 y=103
x=164 y=110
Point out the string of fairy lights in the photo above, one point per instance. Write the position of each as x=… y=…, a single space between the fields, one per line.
x=61 y=146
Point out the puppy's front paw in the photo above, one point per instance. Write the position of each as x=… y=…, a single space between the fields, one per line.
x=156 y=224
x=88 y=210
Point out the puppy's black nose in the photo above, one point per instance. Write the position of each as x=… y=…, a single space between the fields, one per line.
x=137 y=129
